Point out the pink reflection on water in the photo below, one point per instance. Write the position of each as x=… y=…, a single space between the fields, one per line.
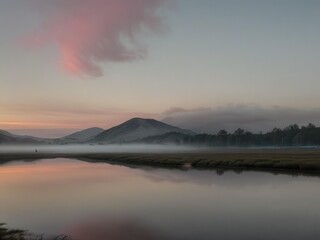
x=113 y=230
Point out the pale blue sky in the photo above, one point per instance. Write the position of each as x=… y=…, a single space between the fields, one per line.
x=214 y=53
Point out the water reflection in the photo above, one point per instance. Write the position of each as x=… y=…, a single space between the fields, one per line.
x=114 y=230
x=52 y=196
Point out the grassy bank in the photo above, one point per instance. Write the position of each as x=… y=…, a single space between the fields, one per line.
x=292 y=160
x=299 y=160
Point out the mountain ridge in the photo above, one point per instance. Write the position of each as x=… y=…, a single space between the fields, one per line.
x=83 y=135
x=135 y=129
x=131 y=130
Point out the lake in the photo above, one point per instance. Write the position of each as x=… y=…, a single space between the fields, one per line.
x=54 y=196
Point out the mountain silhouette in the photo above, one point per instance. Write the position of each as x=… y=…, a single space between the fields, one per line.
x=135 y=129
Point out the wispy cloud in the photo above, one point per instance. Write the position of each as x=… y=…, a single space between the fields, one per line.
x=91 y=32
x=174 y=110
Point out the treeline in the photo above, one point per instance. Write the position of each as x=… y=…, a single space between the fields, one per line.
x=292 y=135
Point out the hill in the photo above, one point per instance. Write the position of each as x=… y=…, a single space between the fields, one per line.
x=135 y=129
x=9 y=138
x=83 y=135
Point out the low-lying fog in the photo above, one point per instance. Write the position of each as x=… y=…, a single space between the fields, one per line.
x=139 y=148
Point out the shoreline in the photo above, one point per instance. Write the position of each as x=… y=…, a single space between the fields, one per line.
x=280 y=160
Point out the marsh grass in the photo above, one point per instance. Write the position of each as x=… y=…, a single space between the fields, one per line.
x=18 y=234
x=297 y=160
x=291 y=160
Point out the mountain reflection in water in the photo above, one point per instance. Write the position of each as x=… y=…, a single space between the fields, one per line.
x=53 y=196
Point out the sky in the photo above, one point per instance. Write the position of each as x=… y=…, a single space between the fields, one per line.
x=75 y=64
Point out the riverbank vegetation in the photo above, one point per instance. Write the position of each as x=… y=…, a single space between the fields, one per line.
x=17 y=234
x=281 y=159
x=297 y=160
x=292 y=135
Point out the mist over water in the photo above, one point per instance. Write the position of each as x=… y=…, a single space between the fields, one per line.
x=113 y=148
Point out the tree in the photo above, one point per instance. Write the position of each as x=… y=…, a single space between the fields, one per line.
x=238 y=133
x=311 y=126
x=222 y=137
x=222 y=133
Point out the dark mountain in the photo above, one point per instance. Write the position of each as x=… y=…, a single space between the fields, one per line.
x=6 y=138
x=9 y=138
x=135 y=129
x=77 y=137
x=6 y=133
x=83 y=135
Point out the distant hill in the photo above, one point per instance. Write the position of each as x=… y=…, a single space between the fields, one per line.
x=139 y=130
x=6 y=133
x=9 y=138
x=135 y=129
x=83 y=135
x=6 y=138
x=77 y=137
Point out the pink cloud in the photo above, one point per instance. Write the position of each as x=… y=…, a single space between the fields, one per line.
x=91 y=32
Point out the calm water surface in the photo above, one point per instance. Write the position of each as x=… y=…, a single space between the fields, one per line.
x=60 y=195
